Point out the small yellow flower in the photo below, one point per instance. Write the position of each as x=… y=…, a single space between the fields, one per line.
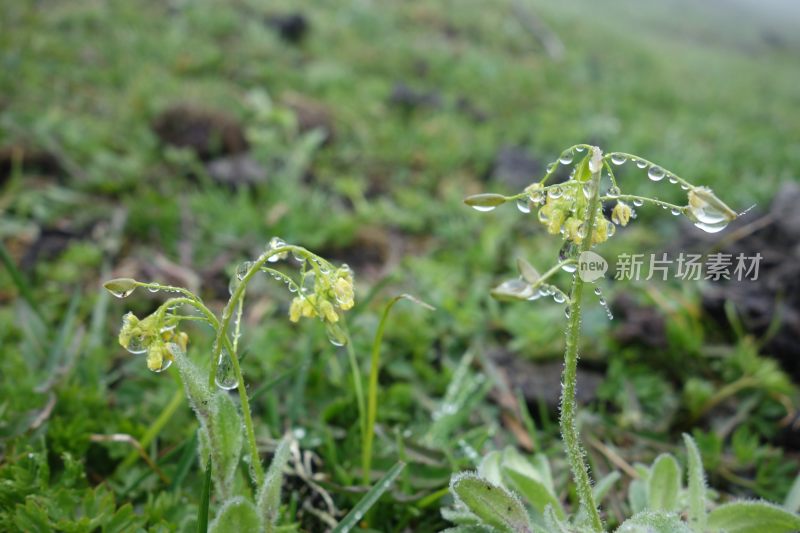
x=600 y=230
x=343 y=290
x=327 y=312
x=573 y=230
x=296 y=309
x=156 y=354
x=621 y=214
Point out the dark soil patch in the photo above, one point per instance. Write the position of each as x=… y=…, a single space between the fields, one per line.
x=208 y=133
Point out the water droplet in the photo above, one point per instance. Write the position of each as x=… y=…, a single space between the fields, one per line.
x=597 y=291
x=484 y=208
x=336 y=334
x=298 y=256
x=566 y=158
x=154 y=287
x=580 y=148
x=568 y=251
x=656 y=173
x=675 y=211
x=611 y=228
x=566 y=312
x=555 y=192
x=618 y=159
x=232 y=284
x=588 y=189
x=640 y=163
x=226 y=377
x=638 y=203
x=537 y=197
x=274 y=244
x=558 y=298
x=524 y=205
x=685 y=187
x=550 y=167
x=712 y=228
x=613 y=192
x=673 y=179
x=241 y=270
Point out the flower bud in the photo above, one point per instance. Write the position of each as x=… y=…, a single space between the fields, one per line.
x=621 y=214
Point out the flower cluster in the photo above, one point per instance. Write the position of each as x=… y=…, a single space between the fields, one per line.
x=332 y=292
x=564 y=211
x=149 y=336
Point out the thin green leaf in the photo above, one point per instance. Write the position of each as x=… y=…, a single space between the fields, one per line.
x=369 y=499
x=185 y=463
x=372 y=390
x=602 y=487
x=664 y=484
x=752 y=517
x=19 y=279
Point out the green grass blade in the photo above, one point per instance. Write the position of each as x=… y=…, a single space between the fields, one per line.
x=369 y=499
x=185 y=462
x=19 y=280
x=372 y=390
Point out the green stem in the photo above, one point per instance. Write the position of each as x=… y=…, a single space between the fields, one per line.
x=644 y=199
x=222 y=338
x=569 y=430
x=359 y=389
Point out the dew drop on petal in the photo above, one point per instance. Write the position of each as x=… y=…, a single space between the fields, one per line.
x=566 y=158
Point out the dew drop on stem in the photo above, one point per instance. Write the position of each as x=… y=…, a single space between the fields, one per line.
x=618 y=159
x=656 y=173
x=524 y=206
x=641 y=164
x=226 y=377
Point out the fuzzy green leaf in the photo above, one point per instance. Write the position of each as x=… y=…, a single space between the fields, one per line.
x=752 y=517
x=535 y=492
x=654 y=522
x=664 y=484
x=697 y=485
x=269 y=495
x=494 y=505
x=237 y=514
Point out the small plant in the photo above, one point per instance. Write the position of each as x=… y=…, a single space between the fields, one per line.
x=574 y=210
x=321 y=290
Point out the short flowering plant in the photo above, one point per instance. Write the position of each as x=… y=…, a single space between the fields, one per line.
x=574 y=211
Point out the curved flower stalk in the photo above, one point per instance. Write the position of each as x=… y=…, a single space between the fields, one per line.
x=320 y=290
x=573 y=210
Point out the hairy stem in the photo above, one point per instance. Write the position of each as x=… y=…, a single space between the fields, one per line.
x=569 y=430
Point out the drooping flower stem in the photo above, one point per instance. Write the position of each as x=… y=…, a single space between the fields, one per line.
x=569 y=430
